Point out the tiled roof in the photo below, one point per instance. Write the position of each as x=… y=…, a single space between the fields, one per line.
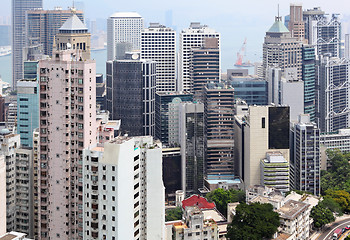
x=196 y=200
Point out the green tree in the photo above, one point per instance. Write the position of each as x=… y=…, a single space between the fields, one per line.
x=321 y=215
x=341 y=197
x=332 y=205
x=255 y=221
x=222 y=197
x=173 y=214
x=338 y=175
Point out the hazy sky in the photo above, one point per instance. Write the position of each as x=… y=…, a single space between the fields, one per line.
x=234 y=19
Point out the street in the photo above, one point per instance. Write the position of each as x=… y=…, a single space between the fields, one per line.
x=328 y=231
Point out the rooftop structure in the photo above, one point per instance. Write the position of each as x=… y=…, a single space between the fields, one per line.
x=196 y=200
x=291 y=209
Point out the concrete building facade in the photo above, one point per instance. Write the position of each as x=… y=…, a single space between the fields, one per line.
x=305 y=156
x=281 y=50
x=219 y=118
x=123 y=28
x=192 y=37
x=263 y=129
x=204 y=66
x=158 y=43
x=133 y=167
x=67 y=126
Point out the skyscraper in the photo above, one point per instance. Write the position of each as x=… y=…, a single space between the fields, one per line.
x=192 y=142
x=67 y=126
x=205 y=65
x=124 y=197
x=309 y=78
x=219 y=118
x=305 y=156
x=43 y=25
x=158 y=43
x=19 y=8
x=333 y=111
x=131 y=88
x=281 y=50
x=192 y=37
x=322 y=31
x=165 y=119
x=296 y=23
x=123 y=27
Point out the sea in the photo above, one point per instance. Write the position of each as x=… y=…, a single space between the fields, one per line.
x=6 y=64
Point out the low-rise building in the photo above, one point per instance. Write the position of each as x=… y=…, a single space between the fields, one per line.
x=14 y=236
x=196 y=226
x=294 y=210
x=225 y=181
x=295 y=219
x=274 y=171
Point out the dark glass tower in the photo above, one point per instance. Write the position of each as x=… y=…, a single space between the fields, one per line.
x=131 y=86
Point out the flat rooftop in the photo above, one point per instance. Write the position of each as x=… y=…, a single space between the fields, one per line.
x=213 y=214
x=291 y=209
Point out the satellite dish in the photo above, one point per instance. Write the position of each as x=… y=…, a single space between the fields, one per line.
x=69 y=46
x=135 y=56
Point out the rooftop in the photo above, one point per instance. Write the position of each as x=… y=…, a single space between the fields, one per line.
x=196 y=200
x=213 y=214
x=282 y=236
x=73 y=23
x=291 y=209
x=215 y=179
x=278 y=27
x=13 y=236
x=125 y=15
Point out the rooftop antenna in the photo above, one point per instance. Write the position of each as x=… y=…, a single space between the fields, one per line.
x=278 y=9
x=73 y=8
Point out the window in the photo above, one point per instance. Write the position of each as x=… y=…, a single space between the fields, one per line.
x=263 y=122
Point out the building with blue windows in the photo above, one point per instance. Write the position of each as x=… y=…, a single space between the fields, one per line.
x=309 y=78
x=30 y=69
x=250 y=88
x=27 y=110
